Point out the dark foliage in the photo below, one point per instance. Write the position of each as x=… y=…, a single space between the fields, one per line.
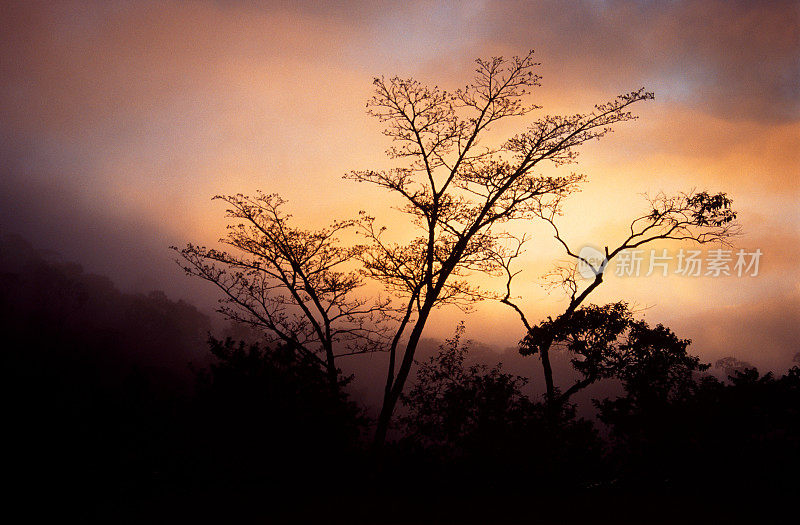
x=271 y=415
x=702 y=434
x=100 y=433
x=477 y=420
x=607 y=342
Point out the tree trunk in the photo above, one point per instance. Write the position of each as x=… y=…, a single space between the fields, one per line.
x=330 y=368
x=392 y=395
x=548 y=375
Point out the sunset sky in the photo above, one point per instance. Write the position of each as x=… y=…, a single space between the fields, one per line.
x=120 y=119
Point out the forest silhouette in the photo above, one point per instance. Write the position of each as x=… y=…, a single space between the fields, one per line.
x=108 y=422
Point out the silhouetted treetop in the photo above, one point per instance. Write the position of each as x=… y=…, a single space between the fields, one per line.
x=608 y=342
x=296 y=284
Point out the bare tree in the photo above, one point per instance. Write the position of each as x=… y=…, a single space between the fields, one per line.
x=459 y=192
x=293 y=283
x=698 y=217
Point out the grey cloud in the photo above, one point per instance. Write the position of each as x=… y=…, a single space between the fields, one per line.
x=732 y=59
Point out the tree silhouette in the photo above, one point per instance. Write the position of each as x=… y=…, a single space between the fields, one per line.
x=291 y=282
x=607 y=342
x=659 y=378
x=700 y=433
x=476 y=420
x=269 y=413
x=452 y=403
x=459 y=193
x=697 y=217
x=730 y=365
